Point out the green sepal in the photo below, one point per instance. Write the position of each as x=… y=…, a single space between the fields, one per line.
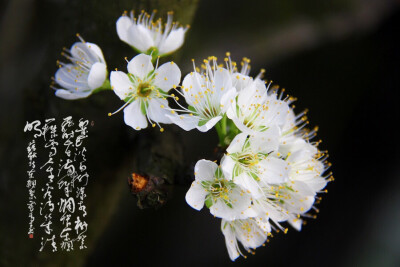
x=208 y=202
x=202 y=122
x=153 y=52
x=191 y=108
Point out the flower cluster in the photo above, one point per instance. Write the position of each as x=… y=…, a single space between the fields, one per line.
x=271 y=171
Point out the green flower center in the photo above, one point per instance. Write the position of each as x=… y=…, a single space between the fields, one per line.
x=218 y=188
x=144 y=89
x=249 y=160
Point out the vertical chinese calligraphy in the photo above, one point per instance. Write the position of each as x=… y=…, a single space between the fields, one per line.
x=31 y=185
x=59 y=172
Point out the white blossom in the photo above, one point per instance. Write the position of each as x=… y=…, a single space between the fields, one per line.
x=249 y=164
x=86 y=72
x=224 y=198
x=145 y=35
x=257 y=109
x=144 y=89
x=251 y=232
x=241 y=78
x=209 y=94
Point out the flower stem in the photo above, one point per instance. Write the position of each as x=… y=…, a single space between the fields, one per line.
x=222 y=132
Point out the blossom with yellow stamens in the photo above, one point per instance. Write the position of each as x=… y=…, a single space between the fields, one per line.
x=251 y=232
x=257 y=108
x=86 y=72
x=224 y=198
x=149 y=36
x=248 y=162
x=208 y=94
x=144 y=89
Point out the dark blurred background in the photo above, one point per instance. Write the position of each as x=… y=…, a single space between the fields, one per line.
x=339 y=58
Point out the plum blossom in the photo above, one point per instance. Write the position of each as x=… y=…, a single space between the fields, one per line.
x=147 y=36
x=224 y=198
x=86 y=72
x=144 y=89
x=208 y=94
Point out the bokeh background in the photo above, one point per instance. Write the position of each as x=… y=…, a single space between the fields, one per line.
x=339 y=58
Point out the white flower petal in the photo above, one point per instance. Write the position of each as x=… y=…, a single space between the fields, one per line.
x=227 y=100
x=167 y=76
x=120 y=83
x=273 y=211
x=290 y=121
x=249 y=212
x=70 y=95
x=97 y=51
x=72 y=78
x=221 y=210
x=173 y=41
x=240 y=124
x=267 y=141
x=239 y=203
x=97 y=75
x=140 y=37
x=231 y=111
x=317 y=183
x=302 y=188
x=82 y=52
x=241 y=81
x=209 y=124
x=222 y=82
x=296 y=223
x=123 y=25
x=186 y=122
x=248 y=183
x=134 y=117
x=274 y=170
x=191 y=86
x=299 y=148
x=251 y=236
x=157 y=110
x=195 y=196
x=237 y=143
x=230 y=240
x=140 y=66
x=248 y=94
x=277 y=112
x=263 y=224
x=205 y=170
x=227 y=165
